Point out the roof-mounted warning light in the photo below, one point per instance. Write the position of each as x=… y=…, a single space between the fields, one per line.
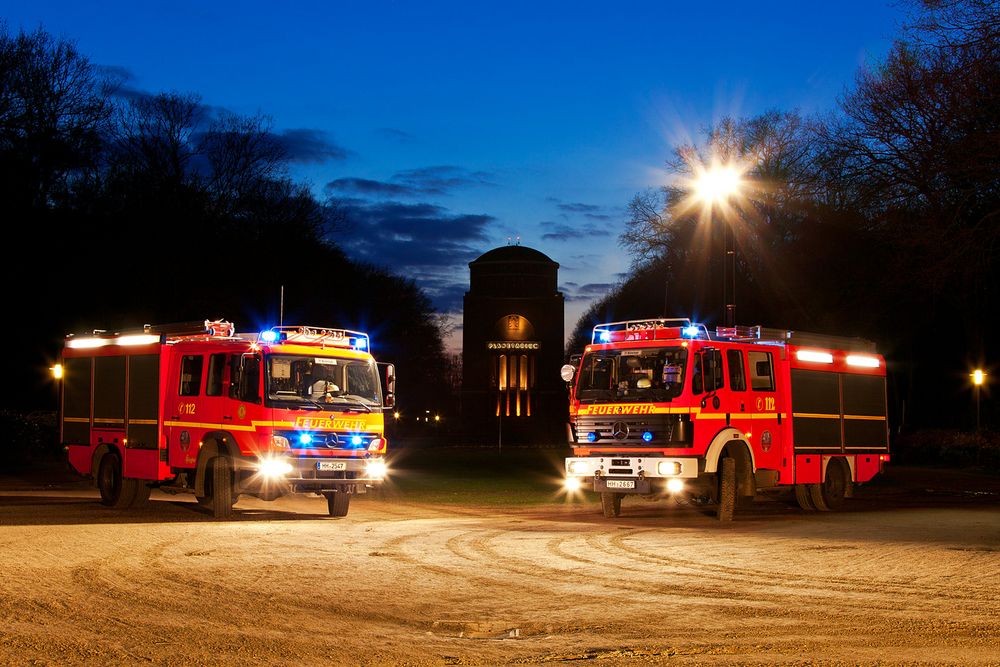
x=322 y=336
x=653 y=329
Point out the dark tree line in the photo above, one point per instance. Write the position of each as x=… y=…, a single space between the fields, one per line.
x=124 y=208
x=880 y=220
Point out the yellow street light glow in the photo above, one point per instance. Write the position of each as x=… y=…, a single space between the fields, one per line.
x=57 y=371
x=815 y=356
x=717 y=183
x=978 y=377
x=862 y=361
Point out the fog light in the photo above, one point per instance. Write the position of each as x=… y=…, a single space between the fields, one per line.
x=573 y=484
x=579 y=468
x=376 y=469
x=667 y=468
x=675 y=485
x=274 y=467
x=279 y=442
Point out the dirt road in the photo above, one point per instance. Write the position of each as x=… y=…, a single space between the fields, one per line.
x=895 y=579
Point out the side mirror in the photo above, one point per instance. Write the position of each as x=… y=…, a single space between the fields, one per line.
x=567 y=372
x=389 y=379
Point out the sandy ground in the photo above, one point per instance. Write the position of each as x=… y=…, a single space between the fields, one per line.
x=909 y=574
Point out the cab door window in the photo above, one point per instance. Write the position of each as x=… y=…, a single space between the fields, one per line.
x=761 y=371
x=707 y=372
x=737 y=376
x=216 y=364
x=190 y=376
x=244 y=376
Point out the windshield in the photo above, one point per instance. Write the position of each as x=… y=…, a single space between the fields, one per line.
x=323 y=382
x=649 y=374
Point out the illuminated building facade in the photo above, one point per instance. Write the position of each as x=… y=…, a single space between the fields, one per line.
x=512 y=348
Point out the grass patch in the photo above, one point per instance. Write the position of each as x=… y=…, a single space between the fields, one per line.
x=514 y=477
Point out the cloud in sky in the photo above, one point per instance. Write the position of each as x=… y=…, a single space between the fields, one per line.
x=310 y=146
x=414 y=183
x=426 y=242
x=396 y=135
x=557 y=231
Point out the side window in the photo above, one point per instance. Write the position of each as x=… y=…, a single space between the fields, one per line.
x=190 y=384
x=737 y=378
x=761 y=371
x=213 y=385
x=244 y=382
x=711 y=379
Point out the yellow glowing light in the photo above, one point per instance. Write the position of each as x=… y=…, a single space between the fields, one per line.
x=437 y=418
x=395 y=415
x=717 y=183
x=573 y=484
x=57 y=371
x=978 y=377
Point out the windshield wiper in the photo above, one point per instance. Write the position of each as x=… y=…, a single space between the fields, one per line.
x=352 y=404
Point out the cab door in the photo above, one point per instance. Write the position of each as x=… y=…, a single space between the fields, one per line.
x=766 y=419
x=737 y=401
x=190 y=412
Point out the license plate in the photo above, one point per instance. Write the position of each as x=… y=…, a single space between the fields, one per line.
x=331 y=465
x=619 y=483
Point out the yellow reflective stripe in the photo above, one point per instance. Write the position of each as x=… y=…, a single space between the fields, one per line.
x=814 y=415
x=273 y=424
x=105 y=420
x=77 y=420
x=712 y=415
x=144 y=422
x=227 y=427
x=871 y=418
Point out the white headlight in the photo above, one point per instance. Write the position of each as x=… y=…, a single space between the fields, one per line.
x=376 y=468
x=572 y=484
x=675 y=485
x=275 y=467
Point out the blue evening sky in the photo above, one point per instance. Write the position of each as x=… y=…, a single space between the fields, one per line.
x=447 y=127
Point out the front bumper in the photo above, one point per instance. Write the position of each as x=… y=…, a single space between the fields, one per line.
x=632 y=474
x=306 y=475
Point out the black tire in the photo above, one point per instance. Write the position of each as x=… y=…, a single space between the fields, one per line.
x=222 y=487
x=829 y=496
x=804 y=498
x=141 y=499
x=611 y=504
x=727 y=489
x=337 y=502
x=116 y=490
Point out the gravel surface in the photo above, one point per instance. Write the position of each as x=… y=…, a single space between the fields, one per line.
x=910 y=574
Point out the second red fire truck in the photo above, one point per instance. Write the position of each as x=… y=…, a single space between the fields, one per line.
x=663 y=406
x=201 y=409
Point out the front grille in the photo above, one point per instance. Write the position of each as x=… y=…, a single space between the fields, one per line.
x=328 y=440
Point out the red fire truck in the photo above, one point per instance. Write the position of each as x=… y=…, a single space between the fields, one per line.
x=201 y=409
x=663 y=406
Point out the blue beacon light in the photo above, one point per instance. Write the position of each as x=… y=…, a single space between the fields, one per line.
x=269 y=336
x=647 y=436
x=691 y=331
x=356 y=440
x=305 y=439
x=604 y=337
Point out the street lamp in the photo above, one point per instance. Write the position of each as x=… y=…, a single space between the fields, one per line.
x=714 y=186
x=978 y=377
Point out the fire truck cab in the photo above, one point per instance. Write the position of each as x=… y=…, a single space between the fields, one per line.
x=198 y=408
x=664 y=407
